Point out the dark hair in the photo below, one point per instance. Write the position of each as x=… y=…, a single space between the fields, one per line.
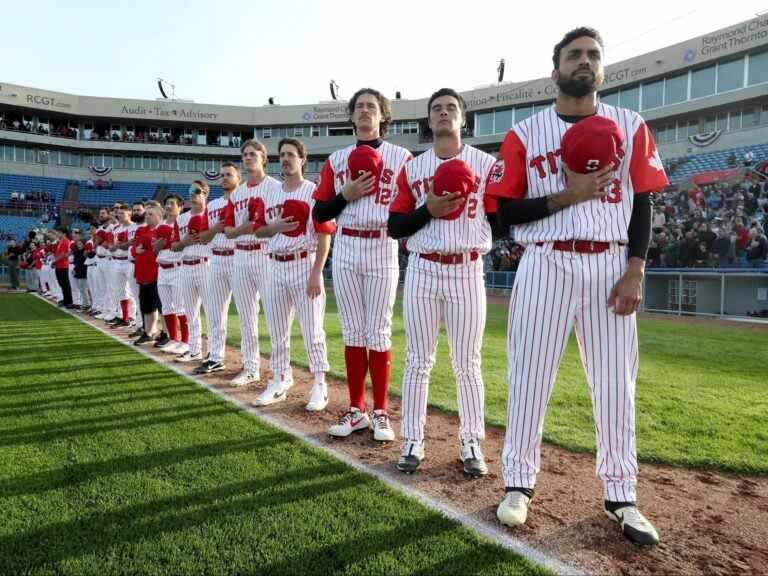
x=448 y=92
x=570 y=37
x=229 y=164
x=258 y=146
x=384 y=106
x=298 y=144
x=203 y=186
x=137 y=203
x=175 y=198
x=63 y=229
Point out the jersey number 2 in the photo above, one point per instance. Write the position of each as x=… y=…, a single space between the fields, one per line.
x=614 y=192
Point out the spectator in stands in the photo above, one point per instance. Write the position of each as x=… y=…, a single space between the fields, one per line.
x=742 y=237
x=89 y=183
x=706 y=236
x=659 y=218
x=13 y=256
x=110 y=185
x=757 y=249
x=16 y=125
x=749 y=157
x=723 y=248
x=732 y=160
x=100 y=184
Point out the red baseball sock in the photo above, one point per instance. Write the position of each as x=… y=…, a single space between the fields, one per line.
x=184 y=329
x=356 y=359
x=170 y=324
x=380 y=364
x=125 y=306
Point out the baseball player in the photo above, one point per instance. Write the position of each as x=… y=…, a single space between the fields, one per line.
x=100 y=268
x=194 y=266
x=250 y=277
x=585 y=237
x=90 y=265
x=168 y=284
x=111 y=295
x=447 y=236
x=137 y=220
x=218 y=285
x=298 y=249
x=122 y=269
x=365 y=264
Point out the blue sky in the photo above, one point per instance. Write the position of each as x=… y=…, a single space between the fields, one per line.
x=241 y=52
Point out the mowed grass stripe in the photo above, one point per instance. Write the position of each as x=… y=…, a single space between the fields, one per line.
x=112 y=464
x=701 y=393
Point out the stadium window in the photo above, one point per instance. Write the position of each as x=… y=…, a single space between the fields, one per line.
x=523 y=113
x=730 y=75
x=610 y=98
x=748 y=118
x=709 y=124
x=298 y=131
x=653 y=95
x=735 y=120
x=703 y=82
x=722 y=121
x=411 y=127
x=340 y=131
x=758 y=68
x=315 y=132
x=693 y=128
x=675 y=89
x=503 y=120
x=266 y=133
x=764 y=114
x=630 y=99
x=484 y=124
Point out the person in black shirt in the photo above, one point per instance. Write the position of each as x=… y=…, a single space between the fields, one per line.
x=13 y=256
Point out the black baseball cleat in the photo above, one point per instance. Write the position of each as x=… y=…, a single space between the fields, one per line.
x=161 y=340
x=136 y=333
x=473 y=459
x=143 y=339
x=209 y=367
x=119 y=323
x=635 y=527
x=411 y=457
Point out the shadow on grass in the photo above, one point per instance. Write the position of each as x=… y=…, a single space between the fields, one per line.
x=76 y=474
x=74 y=366
x=98 y=532
x=31 y=388
x=91 y=401
x=58 y=431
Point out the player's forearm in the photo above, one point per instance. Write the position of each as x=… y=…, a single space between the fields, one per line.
x=264 y=231
x=321 y=255
x=404 y=225
x=325 y=211
x=177 y=246
x=639 y=230
x=230 y=232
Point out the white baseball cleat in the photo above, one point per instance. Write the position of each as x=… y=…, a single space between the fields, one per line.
x=277 y=391
x=353 y=420
x=169 y=347
x=189 y=357
x=181 y=348
x=634 y=525
x=245 y=377
x=513 y=510
x=382 y=427
x=318 y=399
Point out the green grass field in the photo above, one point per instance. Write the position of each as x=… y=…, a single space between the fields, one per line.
x=702 y=394
x=112 y=464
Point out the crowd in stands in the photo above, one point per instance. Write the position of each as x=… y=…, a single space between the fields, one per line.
x=100 y=184
x=720 y=224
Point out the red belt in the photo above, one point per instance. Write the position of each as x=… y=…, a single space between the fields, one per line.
x=450 y=258
x=361 y=233
x=581 y=246
x=194 y=262
x=119 y=257
x=289 y=257
x=229 y=252
x=166 y=266
x=248 y=247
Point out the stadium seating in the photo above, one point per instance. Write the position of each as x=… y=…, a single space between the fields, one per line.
x=688 y=166
x=16 y=183
x=131 y=192
x=18 y=227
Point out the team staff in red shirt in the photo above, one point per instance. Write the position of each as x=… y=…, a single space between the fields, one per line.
x=145 y=272
x=61 y=265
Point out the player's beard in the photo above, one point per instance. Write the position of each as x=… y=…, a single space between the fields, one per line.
x=577 y=87
x=138 y=218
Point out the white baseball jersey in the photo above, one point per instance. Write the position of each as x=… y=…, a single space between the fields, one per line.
x=530 y=166
x=216 y=214
x=283 y=243
x=103 y=233
x=471 y=231
x=194 y=251
x=237 y=207
x=370 y=212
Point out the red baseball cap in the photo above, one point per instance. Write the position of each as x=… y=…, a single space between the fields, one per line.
x=454 y=176
x=299 y=211
x=366 y=159
x=198 y=223
x=255 y=209
x=592 y=144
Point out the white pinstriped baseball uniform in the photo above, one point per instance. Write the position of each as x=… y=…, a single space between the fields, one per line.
x=365 y=269
x=453 y=292
x=112 y=296
x=132 y=284
x=218 y=287
x=291 y=261
x=100 y=277
x=192 y=279
x=251 y=275
x=168 y=271
x=556 y=291
x=122 y=270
